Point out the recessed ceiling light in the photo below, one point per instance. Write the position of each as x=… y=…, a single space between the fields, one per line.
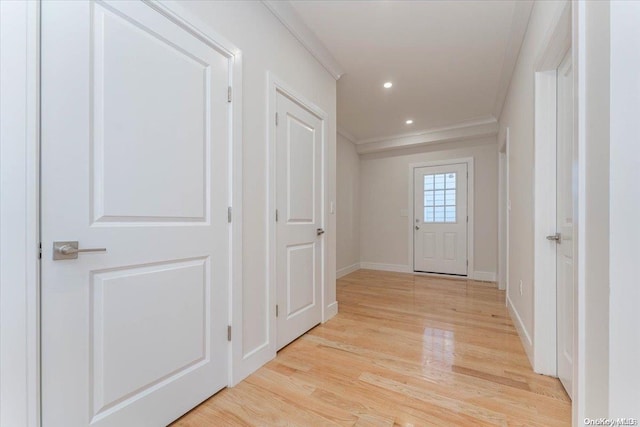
x=409 y=122
x=387 y=85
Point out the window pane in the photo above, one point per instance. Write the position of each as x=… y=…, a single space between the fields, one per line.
x=450 y=198
x=438 y=214
x=450 y=214
x=439 y=181
x=439 y=197
x=428 y=214
x=428 y=182
x=451 y=180
x=428 y=198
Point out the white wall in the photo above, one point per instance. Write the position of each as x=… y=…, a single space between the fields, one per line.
x=347 y=207
x=267 y=45
x=384 y=195
x=518 y=116
x=624 y=324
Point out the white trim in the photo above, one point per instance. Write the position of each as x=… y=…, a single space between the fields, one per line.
x=470 y=208
x=398 y=268
x=525 y=338
x=275 y=85
x=461 y=131
x=579 y=43
x=330 y=311
x=519 y=25
x=287 y=15
x=19 y=214
x=484 y=276
x=544 y=306
x=504 y=209
x=347 y=270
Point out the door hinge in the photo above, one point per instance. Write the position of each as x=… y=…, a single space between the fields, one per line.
x=276 y=119
x=229 y=94
x=276 y=215
x=277 y=311
x=467 y=218
x=229 y=333
x=40 y=251
x=229 y=214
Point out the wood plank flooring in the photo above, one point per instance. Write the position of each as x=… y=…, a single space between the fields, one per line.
x=404 y=350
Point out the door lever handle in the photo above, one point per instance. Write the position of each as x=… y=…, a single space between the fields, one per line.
x=555 y=237
x=319 y=232
x=70 y=250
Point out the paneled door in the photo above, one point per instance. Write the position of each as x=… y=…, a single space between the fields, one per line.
x=299 y=233
x=440 y=214
x=566 y=188
x=135 y=150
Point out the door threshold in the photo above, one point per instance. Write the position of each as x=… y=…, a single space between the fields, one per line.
x=442 y=275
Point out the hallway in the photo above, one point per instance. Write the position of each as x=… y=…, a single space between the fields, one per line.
x=404 y=350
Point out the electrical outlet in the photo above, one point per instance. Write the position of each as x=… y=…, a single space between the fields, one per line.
x=521 y=287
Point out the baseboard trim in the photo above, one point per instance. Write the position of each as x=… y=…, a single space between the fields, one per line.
x=347 y=270
x=398 y=268
x=330 y=311
x=484 y=276
x=525 y=338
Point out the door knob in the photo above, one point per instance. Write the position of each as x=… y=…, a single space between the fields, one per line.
x=319 y=231
x=555 y=237
x=69 y=250
x=417 y=228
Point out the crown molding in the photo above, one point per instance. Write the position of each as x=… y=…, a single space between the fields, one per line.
x=347 y=135
x=287 y=15
x=466 y=130
x=519 y=26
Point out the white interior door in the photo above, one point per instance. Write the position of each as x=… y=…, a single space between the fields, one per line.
x=566 y=207
x=299 y=143
x=135 y=160
x=440 y=212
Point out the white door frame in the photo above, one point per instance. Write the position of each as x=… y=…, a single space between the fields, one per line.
x=19 y=214
x=20 y=192
x=557 y=42
x=504 y=208
x=275 y=85
x=470 y=206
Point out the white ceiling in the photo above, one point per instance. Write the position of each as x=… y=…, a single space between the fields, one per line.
x=450 y=61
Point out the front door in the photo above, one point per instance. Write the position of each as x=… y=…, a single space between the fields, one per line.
x=565 y=205
x=299 y=233
x=135 y=149
x=440 y=212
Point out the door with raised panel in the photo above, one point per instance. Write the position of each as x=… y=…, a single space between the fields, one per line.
x=135 y=160
x=440 y=219
x=565 y=208
x=299 y=234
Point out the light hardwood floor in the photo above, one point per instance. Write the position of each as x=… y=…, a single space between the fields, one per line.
x=404 y=350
